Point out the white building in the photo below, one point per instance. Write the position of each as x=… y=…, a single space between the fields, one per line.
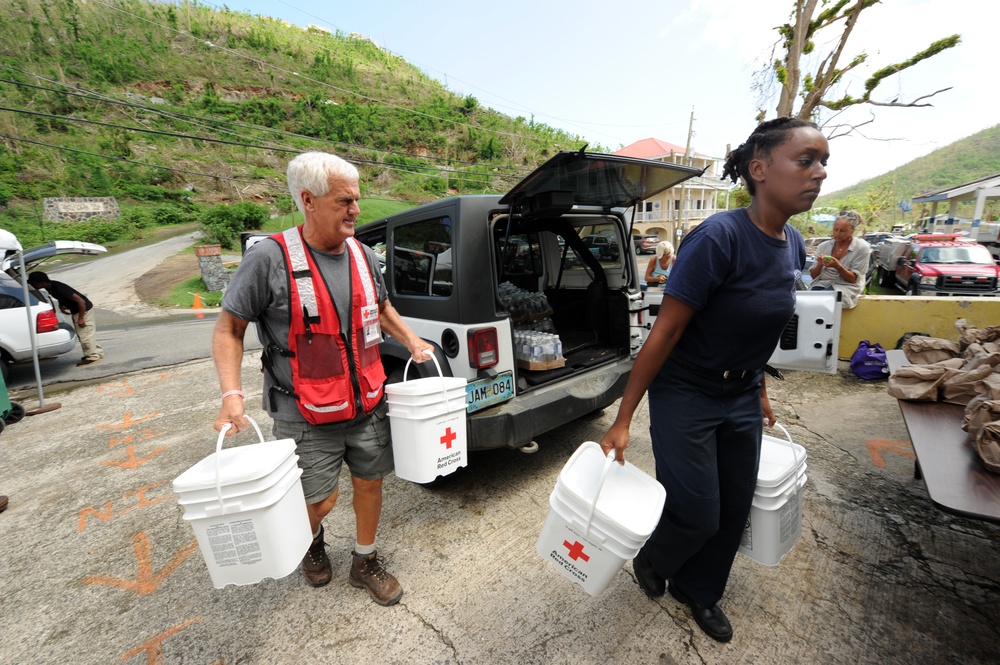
x=673 y=212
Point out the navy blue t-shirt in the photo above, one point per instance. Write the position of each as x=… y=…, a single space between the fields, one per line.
x=741 y=282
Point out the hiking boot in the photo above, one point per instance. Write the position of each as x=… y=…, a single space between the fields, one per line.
x=88 y=361
x=368 y=572
x=316 y=564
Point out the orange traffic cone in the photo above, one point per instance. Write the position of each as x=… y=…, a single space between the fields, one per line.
x=197 y=306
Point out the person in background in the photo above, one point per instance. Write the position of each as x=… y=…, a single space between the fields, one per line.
x=79 y=307
x=319 y=302
x=842 y=263
x=707 y=399
x=658 y=268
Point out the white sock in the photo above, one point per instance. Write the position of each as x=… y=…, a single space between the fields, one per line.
x=363 y=550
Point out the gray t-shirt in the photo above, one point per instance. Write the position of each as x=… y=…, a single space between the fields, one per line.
x=258 y=292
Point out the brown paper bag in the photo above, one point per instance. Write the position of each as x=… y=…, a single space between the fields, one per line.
x=987 y=446
x=962 y=386
x=977 y=354
x=979 y=411
x=990 y=386
x=928 y=350
x=972 y=335
x=922 y=382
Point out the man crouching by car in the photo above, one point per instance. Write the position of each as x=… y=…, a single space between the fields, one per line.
x=320 y=305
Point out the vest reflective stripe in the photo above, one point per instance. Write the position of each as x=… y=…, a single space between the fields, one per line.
x=366 y=276
x=300 y=266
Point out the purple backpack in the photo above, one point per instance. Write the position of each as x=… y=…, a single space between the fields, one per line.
x=868 y=362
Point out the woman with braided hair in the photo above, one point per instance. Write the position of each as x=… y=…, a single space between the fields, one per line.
x=731 y=292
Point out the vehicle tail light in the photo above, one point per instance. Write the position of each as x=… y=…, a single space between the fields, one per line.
x=46 y=321
x=484 y=348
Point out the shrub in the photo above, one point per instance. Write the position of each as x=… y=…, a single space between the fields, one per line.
x=168 y=215
x=222 y=224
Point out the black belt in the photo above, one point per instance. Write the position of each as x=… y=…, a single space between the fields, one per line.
x=724 y=374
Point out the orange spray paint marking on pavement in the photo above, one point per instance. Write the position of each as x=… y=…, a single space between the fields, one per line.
x=131 y=461
x=154 y=647
x=146 y=581
x=128 y=422
x=109 y=513
x=148 y=433
x=125 y=388
x=877 y=446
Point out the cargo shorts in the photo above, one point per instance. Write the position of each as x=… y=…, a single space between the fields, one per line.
x=364 y=443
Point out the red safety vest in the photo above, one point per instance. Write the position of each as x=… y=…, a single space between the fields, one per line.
x=323 y=366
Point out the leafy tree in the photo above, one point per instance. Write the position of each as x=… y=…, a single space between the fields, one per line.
x=819 y=88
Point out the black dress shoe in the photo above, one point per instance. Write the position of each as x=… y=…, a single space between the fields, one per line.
x=712 y=620
x=649 y=580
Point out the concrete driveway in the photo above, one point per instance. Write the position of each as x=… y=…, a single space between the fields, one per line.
x=98 y=565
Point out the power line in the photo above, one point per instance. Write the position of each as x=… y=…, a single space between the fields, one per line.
x=281 y=188
x=212 y=123
x=263 y=63
x=457 y=175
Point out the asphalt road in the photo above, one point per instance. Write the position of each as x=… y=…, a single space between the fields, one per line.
x=97 y=564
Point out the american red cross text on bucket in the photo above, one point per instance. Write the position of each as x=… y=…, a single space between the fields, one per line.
x=575 y=550
x=448 y=437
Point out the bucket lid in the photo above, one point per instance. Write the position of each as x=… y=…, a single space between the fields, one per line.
x=427 y=386
x=776 y=502
x=243 y=504
x=426 y=411
x=608 y=531
x=240 y=489
x=630 y=498
x=236 y=465
x=778 y=490
x=777 y=462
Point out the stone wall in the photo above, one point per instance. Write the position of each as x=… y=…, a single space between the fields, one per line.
x=79 y=208
x=213 y=273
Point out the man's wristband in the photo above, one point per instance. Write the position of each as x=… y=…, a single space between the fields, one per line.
x=233 y=392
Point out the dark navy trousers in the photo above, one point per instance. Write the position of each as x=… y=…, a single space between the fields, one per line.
x=706 y=435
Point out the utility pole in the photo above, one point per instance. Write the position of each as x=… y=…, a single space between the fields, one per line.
x=687 y=162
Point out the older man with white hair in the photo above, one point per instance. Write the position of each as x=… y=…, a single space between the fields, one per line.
x=319 y=302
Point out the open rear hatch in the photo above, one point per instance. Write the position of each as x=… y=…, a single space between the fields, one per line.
x=591 y=319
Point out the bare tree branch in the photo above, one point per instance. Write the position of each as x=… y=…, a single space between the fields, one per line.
x=910 y=104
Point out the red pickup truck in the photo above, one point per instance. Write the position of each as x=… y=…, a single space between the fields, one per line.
x=946 y=265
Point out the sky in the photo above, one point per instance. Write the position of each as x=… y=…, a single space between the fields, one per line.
x=618 y=72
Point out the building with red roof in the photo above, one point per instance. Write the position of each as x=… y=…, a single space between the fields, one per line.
x=673 y=212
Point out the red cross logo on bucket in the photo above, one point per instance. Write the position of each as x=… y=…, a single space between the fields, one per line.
x=575 y=550
x=448 y=438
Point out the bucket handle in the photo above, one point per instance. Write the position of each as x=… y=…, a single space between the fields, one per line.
x=218 y=455
x=791 y=444
x=609 y=460
x=429 y=353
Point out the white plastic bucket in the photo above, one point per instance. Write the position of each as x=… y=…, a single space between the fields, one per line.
x=594 y=501
x=775 y=521
x=254 y=524
x=774 y=525
x=427 y=419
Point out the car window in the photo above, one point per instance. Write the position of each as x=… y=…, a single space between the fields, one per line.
x=9 y=302
x=520 y=253
x=422 y=258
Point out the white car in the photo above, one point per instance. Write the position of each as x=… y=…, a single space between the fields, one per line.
x=52 y=337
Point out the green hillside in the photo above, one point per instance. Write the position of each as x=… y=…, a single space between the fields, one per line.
x=162 y=102
x=971 y=158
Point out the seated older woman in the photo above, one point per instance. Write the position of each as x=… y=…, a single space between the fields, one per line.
x=842 y=263
x=658 y=269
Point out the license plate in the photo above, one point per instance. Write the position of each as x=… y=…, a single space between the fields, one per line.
x=487 y=392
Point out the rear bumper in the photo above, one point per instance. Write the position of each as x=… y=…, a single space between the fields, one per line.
x=518 y=421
